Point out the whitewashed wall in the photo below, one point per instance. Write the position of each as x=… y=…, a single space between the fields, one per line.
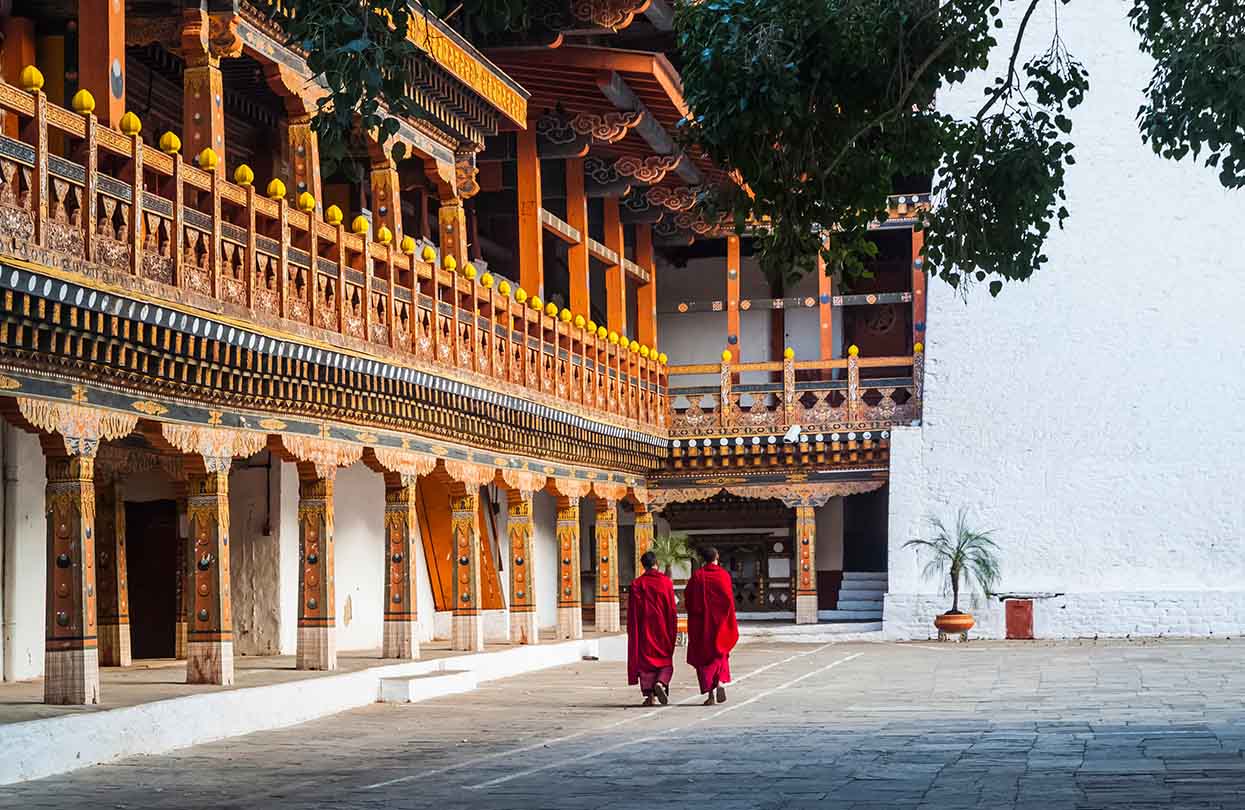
x=359 y=557
x=22 y=591
x=1093 y=417
x=545 y=564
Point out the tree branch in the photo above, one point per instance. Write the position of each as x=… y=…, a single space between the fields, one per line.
x=1011 y=63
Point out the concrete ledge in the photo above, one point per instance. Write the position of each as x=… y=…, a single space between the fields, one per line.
x=39 y=748
x=810 y=633
x=416 y=688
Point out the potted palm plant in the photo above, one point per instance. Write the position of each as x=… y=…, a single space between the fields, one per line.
x=673 y=550
x=961 y=558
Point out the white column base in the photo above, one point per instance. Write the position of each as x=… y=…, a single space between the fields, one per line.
x=114 y=645
x=317 y=648
x=570 y=623
x=609 y=617
x=401 y=639
x=467 y=633
x=524 y=628
x=806 y=608
x=71 y=677
x=210 y=662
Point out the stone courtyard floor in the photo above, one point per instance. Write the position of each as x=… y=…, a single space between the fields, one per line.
x=1136 y=725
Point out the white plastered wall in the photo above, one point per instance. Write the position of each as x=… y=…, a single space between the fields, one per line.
x=22 y=588
x=545 y=551
x=257 y=556
x=1092 y=417
x=359 y=557
x=829 y=549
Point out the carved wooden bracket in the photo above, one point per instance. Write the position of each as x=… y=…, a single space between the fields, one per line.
x=611 y=14
x=556 y=138
x=326 y=455
x=468 y=473
x=81 y=426
x=217 y=445
x=792 y=495
x=677 y=198
x=405 y=463
x=647 y=170
x=465 y=173
x=609 y=491
x=610 y=127
x=570 y=487
x=524 y=481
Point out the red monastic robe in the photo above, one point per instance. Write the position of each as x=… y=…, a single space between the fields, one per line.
x=651 y=622
x=712 y=631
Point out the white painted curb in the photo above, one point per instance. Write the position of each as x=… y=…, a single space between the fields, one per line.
x=39 y=748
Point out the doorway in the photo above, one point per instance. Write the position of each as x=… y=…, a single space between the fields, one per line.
x=151 y=535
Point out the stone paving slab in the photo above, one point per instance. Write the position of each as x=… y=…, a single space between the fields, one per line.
x=1080 y=726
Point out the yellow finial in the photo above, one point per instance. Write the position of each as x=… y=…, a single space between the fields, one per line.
x=243 y=175
x=170 y=144
x=918 y=348
x=579 y=322
x=661 y=358
x=384 y=235
x=407 y=245
x=276 y=189
x=535 y=303
x=207 y=159
x=449 y=263
x=726 y=355
x=428 y=254
x=592 y=326
x=520 y=295
x=469 y=271
x=634 y=346
x=83 y=102
x=565 y=315
x=601 y=332
x=359 y=225
x=853 y=350
x=788 y=353
x=333 y=215
x=504 y=287
x=551 y=309
x=486 y=281
x=306 y=202
x=31 y=79
x=130 y=124
x=613 y=337
x=644 y=352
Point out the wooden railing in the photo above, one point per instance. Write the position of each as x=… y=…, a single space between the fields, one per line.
x=113 y=207
x=821 y=396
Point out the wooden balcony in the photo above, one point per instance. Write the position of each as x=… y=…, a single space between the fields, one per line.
x=139 y=219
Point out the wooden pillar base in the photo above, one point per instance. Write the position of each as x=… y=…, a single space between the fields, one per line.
x=71 y=677
x=317 y=648
x=524 y=628
x=570 y=622
x=609 y=617
x=401 y=639
x=114 y=645
x=467 y=633
x=180 y=633
x=210 y=662
x=806 y=608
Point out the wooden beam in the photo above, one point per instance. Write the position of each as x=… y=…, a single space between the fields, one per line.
x=531 y=230
x=101 y=58
x=577 y=254
x=654 y=134
x=732 y=295
x=560 y=228
x=615 y=278
x=646 y=295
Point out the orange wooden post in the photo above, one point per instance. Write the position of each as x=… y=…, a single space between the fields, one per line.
x=136 y=207
x=203 y=109
x=386 y=205
x=101 y=58
x=615 y=275
x=577 y=255
x=305 y=162
x=37 y=136
x=732 y=296
x=825 y=310
x=531 y=232
x=18 y=52
x=646 y=295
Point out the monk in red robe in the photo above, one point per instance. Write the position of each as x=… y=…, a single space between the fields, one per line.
x=711 y=628
x=651 y=622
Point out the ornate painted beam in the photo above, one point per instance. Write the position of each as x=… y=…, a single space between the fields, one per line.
x=649 y=128
x=610 y=14
x=610 y=127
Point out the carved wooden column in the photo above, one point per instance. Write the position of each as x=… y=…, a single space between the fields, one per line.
x=203 y=110
x=615 y=274
x=317 y=622
x=524 y=624
x=181 y=629
x=732 y=298
x=805 y=564
x=646 y=294
x=304 y=158
x=386 y=203
x=401 y=638
x=209 y=637
x=570 y=607
x=607 y=612
x=467 y=632
x=71 y=654
x=577 y=260
x=111 y=579
x=643 y=534
x=453 y=225
x=531 y=231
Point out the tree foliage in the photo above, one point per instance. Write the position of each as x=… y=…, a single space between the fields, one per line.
x=821 y=104
x=959 y=557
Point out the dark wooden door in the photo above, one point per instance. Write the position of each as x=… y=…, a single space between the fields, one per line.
x=151 y=534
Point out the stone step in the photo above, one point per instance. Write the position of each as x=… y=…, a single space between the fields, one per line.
x=414 y=688
x=859 y=604
x=862 y=592
x=874 y=614
x=810 y=633
x=865 y=576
